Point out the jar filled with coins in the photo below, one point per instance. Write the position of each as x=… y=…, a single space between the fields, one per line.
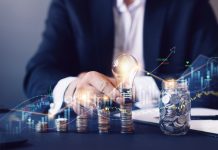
x=175 y=107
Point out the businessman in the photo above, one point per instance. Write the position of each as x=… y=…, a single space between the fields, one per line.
x=82 y=38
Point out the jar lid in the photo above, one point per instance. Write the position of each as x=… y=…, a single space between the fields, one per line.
x=174 y=84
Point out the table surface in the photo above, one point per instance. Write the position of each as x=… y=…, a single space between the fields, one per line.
x=145 y=137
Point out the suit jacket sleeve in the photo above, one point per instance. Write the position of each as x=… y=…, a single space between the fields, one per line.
x=204 y=30
x=55 y=56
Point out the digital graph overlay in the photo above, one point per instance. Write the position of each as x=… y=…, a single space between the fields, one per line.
x=201 y=76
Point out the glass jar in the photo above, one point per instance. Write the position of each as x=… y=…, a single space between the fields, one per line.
x=175 y=107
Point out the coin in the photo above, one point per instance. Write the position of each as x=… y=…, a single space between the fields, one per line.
x=182 y=119
x=126 y=118
x=41 y=127
x=61 y=124
x=174 y=117
x=82 y=123
x=103 y=120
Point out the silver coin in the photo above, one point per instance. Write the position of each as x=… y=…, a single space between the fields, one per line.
x=177 y=125
x=126 y=118
x=82 y=123
x=41 y=127
x=182 y=119
x=61 y=124
x=103 y=121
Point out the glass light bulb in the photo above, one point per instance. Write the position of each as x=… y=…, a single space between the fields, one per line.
x=124 y=69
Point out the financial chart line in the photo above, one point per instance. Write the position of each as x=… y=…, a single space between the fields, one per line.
x=198 y=68
x=14 y=108
x=197 y=94
x=151 y=74
x=194 y=70
x=34 y=113
x=148 y=73
x=61 y=110
x=172 y=51
x=206 y=93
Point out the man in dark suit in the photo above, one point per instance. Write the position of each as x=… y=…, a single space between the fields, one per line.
x=85 y=36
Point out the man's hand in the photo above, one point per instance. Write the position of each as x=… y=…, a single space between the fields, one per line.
x=89 y=86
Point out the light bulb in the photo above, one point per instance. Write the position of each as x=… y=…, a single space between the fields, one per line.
x=124 y=69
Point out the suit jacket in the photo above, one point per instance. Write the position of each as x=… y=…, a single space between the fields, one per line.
x=79 y=37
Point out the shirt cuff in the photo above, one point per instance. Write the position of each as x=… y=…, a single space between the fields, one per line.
x=58 y=95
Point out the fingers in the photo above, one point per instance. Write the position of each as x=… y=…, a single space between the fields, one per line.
x=102 y=84
x=113 y=82
x=81 y=75
x=93 y=87
x=80 y=110
x=86 y=96
x=85 y=99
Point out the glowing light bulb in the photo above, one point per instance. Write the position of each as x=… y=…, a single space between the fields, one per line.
x=124 y=69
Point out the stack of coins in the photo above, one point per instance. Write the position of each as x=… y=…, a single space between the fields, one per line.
x=42 y=127
x=126 y=111
x=61 y=124
x=103 y=120
x=126 y=118
x=82 y=123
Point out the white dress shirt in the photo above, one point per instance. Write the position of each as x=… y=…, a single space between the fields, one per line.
x=128 y=39
x=129 y=25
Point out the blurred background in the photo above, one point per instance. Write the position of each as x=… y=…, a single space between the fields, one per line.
x=21 y=26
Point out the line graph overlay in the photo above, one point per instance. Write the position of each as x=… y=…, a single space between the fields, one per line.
x=207 y=70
